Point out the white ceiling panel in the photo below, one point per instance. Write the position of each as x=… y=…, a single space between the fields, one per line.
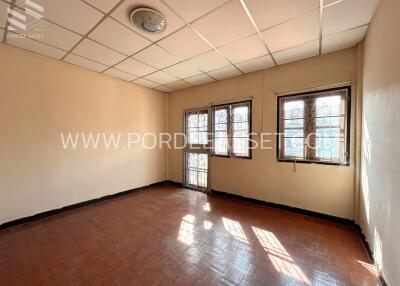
x=120 y=74
x=295 y=32
x=209 y=61
x=72 y=14
x=267 y=13
x=329 y=2
x=297 y=53
x=123 y=11
x=161 y=77
x=135 y=67
x=146 y=83
x=348 y=14
x=217 y=28
x=118 y=37
x=256 y=64
x=199 y=79
x=193 y=9
x=85 y=63
x=178 y=85
x=185 y=43
x=93 y=51
x=183 y=70
x=3 y=14
x=226 y=72
x=103 y=5
x=164 y=89
x=244 y=49
x=56 y=36
x=34 y=46
x=157 y=57
x=343 y=40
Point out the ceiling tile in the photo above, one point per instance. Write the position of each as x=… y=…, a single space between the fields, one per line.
x=157 y=57
x=295 y=32
x=199 y=79
x=244 y=49
x=343 y=40
x=219 y=31
x=183 y=70
x=268 y=13
x=146 y=83
x=34 y=46
x=194 y=45
x=226 y=72
x=348 y=14
x=120 y=74
x=193 y=9
x=164 y=89
x=56 y=36
x=118 y=37
x=103 y=5
x=178 y=85
x=161 y=77
x=123 y=11
x=93 y=51
x=85 y=63
x=297 y=53
x=3 y=14
x=209 y=61
x=135 y=67
x=256 y=64
x=72 y=14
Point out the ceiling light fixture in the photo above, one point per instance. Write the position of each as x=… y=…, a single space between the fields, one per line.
x=148 y=20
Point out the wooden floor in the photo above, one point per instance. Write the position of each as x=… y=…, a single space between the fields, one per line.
x=173 y=236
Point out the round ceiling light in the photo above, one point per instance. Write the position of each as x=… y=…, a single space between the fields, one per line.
x=148 y=20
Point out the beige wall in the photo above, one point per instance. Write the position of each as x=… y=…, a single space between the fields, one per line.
x=41 y=97
x=380 y=172
x=321 y=188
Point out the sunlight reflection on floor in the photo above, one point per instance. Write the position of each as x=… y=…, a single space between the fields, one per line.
x=280 y=258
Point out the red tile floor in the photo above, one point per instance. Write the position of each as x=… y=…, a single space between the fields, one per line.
x=168 y=235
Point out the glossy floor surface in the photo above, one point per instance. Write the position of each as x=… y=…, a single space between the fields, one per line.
x=168 y=235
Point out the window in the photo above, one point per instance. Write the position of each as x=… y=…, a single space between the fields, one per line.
x=231 y=129
x=314 y=127
x=197 y=127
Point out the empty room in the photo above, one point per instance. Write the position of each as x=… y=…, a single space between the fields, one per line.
x=200 y=142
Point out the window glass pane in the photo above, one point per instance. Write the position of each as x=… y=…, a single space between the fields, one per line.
x=328 y=148
x=294 y=147
x=328 y=106
x=240 y=129
x=221 y=131
x=197 y=128
x=294 y=129
x=294 y=109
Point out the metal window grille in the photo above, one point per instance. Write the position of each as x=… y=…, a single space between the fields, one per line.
x=231 y=129
x=197 y=127
x=196 y=170
x=314 y=127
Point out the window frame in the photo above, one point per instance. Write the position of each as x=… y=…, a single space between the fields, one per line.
x=347 y=131
x=230 y=130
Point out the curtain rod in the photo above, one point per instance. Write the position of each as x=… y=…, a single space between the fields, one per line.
x=317 y=88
